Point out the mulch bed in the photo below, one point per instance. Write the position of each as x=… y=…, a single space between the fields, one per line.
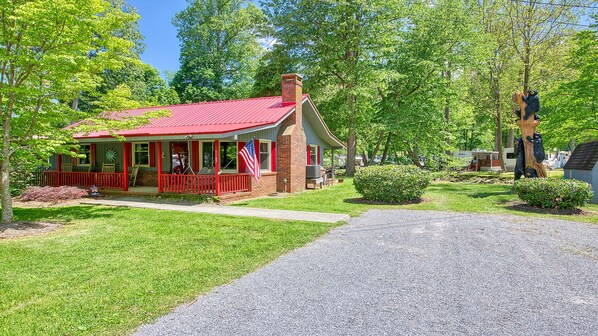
x=519 y=206
x=26 y=229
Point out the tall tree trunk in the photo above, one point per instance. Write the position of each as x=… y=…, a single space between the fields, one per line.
x=498 y=135
x=414 y=155
x=352 y=141
x=495 y=78
x=6 y=203
x=447 y=112
x=511 y=137
x=6 y=200
x=365 y=158
x=572 y=144
x=386 y=148
x=351 y=151
x=75 y=104
x=376 y=149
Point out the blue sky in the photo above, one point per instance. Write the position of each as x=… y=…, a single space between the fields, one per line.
x=162 y=46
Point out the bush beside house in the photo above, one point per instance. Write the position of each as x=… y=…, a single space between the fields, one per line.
x=392 y=184
x=553 y=193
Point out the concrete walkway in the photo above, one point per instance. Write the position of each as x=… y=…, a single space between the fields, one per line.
x=230 y=210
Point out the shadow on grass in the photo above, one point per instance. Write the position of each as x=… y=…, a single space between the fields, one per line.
x=360 y=200
x=546 y=211
x=490 y=194
x=65 y=214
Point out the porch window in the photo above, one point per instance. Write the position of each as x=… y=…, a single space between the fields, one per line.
x=207 y=154
x=84 y=150
x=313 y=154
x=228 y=156
x=141 y=154
x=265 y=162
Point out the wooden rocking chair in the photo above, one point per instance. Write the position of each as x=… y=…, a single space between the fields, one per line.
x=133 y=175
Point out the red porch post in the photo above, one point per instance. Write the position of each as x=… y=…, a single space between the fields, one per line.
x=160 y=187
x=125 y=168
x=217 y=166
x=59 y=163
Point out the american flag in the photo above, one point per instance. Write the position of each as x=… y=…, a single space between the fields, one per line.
x=253 y=164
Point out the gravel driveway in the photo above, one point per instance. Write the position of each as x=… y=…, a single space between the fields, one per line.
x=414 y=273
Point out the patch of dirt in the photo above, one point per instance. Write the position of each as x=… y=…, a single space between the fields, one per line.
x=476 y=179
x=26 y=229
x=33 y=204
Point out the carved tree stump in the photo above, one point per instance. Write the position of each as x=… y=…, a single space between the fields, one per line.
x=528 y=128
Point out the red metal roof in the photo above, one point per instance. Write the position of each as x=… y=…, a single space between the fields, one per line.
x=208 y=118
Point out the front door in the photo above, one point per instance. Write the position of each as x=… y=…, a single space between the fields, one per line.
x=179 y=157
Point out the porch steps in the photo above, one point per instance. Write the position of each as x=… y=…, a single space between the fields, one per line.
x=230 y=198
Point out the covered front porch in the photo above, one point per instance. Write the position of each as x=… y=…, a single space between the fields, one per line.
x=179 y=177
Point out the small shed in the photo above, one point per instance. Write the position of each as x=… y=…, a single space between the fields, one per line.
x=583 y=166
x=484 y=161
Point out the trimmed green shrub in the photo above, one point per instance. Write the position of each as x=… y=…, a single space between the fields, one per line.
x=391 y=183
x=553 y=193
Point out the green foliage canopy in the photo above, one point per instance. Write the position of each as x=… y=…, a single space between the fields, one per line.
x=572 y=106
x=220 y=49
x=50 y=51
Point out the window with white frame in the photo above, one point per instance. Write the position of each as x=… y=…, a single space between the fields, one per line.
x=265 y=152
x=84 y=150
x=141 y=154
x=313 y=154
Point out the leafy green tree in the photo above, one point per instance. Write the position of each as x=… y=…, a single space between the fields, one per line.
x=45 y=50
x=493 y=81
x=571 y=108
x=143 y=80
x=432 y=53
x=536 y=27
x=220 y=49
x=339 y=46
x=272 y=64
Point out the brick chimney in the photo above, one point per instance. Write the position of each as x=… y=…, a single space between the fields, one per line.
x=292 y=94
x=292 y=143
x=292 y=87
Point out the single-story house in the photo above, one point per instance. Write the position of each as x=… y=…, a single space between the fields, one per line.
x=583 y=166
x=196 y=148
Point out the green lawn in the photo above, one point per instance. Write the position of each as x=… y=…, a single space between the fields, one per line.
x=446 y=196
x=108 y=270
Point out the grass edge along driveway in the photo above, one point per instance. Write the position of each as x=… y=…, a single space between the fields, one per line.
x=440 y=196
x=109 y=270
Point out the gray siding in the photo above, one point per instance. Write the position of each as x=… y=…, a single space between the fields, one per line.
x=589 y=176
x=101 y=149
x=268 y=134
x=314 y=139
x=100 y=157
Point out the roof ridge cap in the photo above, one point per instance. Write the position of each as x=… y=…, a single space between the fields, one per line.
x=201 y=103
